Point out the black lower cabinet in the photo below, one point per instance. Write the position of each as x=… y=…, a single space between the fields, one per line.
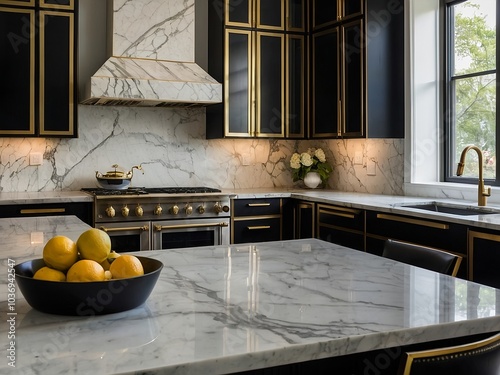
x=341 y=225
x=83 y=210
x=484 y=257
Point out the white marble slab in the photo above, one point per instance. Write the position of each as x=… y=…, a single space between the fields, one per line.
x=44 y=197
x=233 y=308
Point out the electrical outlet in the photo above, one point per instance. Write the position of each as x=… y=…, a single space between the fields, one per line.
x=358 y=158
x=371 y=167
x=245 y=159
x=36 y=158
x=36 y=237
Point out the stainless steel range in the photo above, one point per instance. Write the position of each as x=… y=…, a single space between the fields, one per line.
x=162 y=218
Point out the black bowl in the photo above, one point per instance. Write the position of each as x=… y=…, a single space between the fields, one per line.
x=86 y=298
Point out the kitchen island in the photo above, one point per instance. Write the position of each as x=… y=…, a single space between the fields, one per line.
x=228 y=309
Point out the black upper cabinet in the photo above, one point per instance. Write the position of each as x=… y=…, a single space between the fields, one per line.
x=38 y=46
x=257 y=49
x=357 y=70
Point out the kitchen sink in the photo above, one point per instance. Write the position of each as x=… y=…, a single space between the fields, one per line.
x=448 y=208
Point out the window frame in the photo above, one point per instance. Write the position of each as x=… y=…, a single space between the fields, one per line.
x=448 y=97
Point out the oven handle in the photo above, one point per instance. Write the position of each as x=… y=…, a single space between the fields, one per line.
x=143 y=228
x=159 y=228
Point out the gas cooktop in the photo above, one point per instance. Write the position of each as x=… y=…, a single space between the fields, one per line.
x=144 y=191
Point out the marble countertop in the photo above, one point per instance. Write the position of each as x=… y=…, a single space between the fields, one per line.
x=385 y=203
x=233 y=308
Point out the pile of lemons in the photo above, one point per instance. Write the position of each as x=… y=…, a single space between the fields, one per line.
x=88 y=259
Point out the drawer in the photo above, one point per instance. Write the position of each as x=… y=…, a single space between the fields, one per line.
x=335 y=216
x=442 y=235
x=256 y=207
x=256 y=230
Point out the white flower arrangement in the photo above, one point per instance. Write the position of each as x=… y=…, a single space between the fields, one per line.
x=314 y=160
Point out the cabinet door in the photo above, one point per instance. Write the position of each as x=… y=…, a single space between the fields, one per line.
x=58 y=4
x=57 y=88
x=342 y=225
x=238 y=12
x=324 y=13
x=305 y=220
x=270 y=14
x=17 y=64
x=257 y=230
x=353 y=79
x=351 y=8
x=296 y=88
x=27 y=3
x=296 y=15
x=325 y=84
x=270 y=85
x=484 y=258
x=238 y=82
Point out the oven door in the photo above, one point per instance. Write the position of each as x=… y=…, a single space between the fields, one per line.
x=190 y=233
x=129 y=236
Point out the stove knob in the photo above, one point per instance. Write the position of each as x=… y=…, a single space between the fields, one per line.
x=158 y=210
x=174 y=210
x=217 y=208
x=225 y=208
x=201 y=209
x=189 y=209
x=125 y=211
x=139 y=210
x=110 y=211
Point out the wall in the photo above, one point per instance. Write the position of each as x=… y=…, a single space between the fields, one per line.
x=171 y=145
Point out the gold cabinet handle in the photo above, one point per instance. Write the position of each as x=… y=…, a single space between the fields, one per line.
x=342 y=212
x=259 y=227
x=29 y=211
x=123 y=229
x=258 y=204
x=423 y=223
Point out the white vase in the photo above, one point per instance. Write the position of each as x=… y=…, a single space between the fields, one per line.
x=312 y=180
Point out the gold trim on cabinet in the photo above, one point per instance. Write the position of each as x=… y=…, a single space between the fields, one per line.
x=302 y=85
x=325 y=208
x=470 y=248
x=257 y=217
x=227 y=12
x=332 y=134
x=248 y=33
x=258 y=85
x=159 y=228
x=71 y=5
x=31 y=40
x=342 y=229
x=259 y=25
x=71 y=74
x=289 y=27
x=424 y=223
x=343 y=93
x=30 y=211
x=258 y=204
x=30 y=3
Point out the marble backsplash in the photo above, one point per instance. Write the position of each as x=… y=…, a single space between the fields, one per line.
x=171 y=146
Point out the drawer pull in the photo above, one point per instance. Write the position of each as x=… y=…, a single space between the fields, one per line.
x=423 y=223
x=29 y=211
x=143 y=228
x=258 y=204
x=341 y=214
x=259 y=227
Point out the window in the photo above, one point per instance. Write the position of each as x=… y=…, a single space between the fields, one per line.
x=471 y=90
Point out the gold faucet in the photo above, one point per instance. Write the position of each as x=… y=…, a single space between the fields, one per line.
x=482 y=191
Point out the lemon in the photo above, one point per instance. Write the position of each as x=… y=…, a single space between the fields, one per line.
x=94 y=244
x=50 y=274
x=126 y=266
x=85 y=270
x=60 y=253
x=107 y=262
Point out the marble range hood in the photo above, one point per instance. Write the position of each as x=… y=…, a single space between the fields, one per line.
x=152 y=59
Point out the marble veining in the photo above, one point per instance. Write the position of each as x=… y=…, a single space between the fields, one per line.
x=233 y=308
x=171 y=145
